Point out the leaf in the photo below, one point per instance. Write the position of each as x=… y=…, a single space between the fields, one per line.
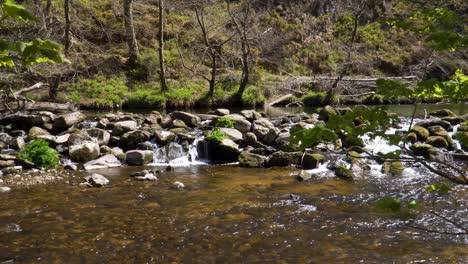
x=306 y=138
x=394 y=89
x=15 y=11
x=413 y=204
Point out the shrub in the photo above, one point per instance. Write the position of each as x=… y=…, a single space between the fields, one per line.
x=225 y=122
x=39 y=153
x=319 y=99
x=374 y=99
x=253 y=96
x=146 y=99
x=216 y=135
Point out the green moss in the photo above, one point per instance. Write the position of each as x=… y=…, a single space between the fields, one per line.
x=39 y=153
x=146 y=99
x=319 y=99
x=253 y=96
x=216 y=135
x=225 y=122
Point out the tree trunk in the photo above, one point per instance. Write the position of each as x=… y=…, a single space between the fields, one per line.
x=162 y=69
x=66 y=5
x=130 y=32
x=53 y=87
x=47 y=11
x=245 y=70
x=213 y=75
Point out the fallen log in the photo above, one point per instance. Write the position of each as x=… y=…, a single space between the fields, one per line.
x=283 y=100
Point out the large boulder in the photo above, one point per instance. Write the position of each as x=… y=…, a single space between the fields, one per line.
x=442 y=113
x=251 y=115
x=312 y=161
x=123 y=127
x=79 y=137
x=271 y=136
x=251 y=160
x=26 y=121
x=437 y=141
x=454 y=120
x=84 y=152
x=164 y=137
x=218 y=151
x=130 y=140
x=139 y=157
x=261 y=127
x=421 y=132
x=421 y=149
x=283 y=159
x=240 y=123
x=101 y=135
x=104 y=162
x=63 y=122
x=35 y=132
x=435 y=122
x=393 y=167
x=188 y=118
x=232 y=133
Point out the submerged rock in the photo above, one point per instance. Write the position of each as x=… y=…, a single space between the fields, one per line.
x=144 y=175
x=96 y=180
x=4 y=189
x=392 y=167
x=283 y=159
x=312 y=161
x=107 y=161
x=344 y=173
x=251 y=160
x=178 y=185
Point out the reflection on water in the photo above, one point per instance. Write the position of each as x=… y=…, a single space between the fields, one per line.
x=225 y=214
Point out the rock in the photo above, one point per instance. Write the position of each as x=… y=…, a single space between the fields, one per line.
x=138 y=157
x=218 y=151
x=261 y=127
x=178 y=185
x=440 y=131
x=12 y=170
x=103 y=123
x=344 y=173
x=312 y=161
x=271 y=136
x=251 y=160
x=436 y=155
x=463 y=138
x=326 y=112
x=164 y=137
x=437 y=141
x=104 y=162
x=463 y=127
x=250 y=139
x=62 y=139
x=282 y=141
x=123 y=127
x=421 y=149
x=84 y=152
x=305 y=175
x=411 y=137
x=79 y=138
x=4 y=189
x=130 y=140
x=71 y=167
x=283 y=159
x=145 y=146
x=63 y=122
x=442 y=113
x=6 y=163
x=435 y=122
x=392 y=167
x=144 y=175
x=35 y=132
x=118 y=152
x=421 y=132
x=176 y=123
x=7 y=157
x=241 y=124
x=101 y=135
x=232 y=133
x=454 y=120
x=220 y=112
x=251 y=115
x=189 y=119
x=206 y=119
x=96 y=180
x=26 y=121
x=17 y=133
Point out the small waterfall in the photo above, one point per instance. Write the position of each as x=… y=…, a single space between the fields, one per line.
x=174 y=154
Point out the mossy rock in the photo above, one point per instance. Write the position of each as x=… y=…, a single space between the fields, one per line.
x=353 y=156
x=421 y=149
x=442 y=113
x=312 y=161
x=421 y=132
x=454 y=120
x=393 y=167
x=411 y=137
x=437 y=141
x=326 y=112
x=463 y=138
x=251 y=160
x=463 y=127
x=344 y=173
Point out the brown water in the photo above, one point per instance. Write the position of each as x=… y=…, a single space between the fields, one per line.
x=226 y=214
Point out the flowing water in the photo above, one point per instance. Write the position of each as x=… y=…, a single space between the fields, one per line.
x=228 y=214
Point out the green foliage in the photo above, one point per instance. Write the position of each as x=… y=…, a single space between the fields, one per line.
x=394 y=89
x=388 y=204
x=103 y=92
x=39 y=153
x=319 y=99
x=216 y=135
x=306 y=138
x=183 y=96
x=253 y=96
x=225 y=122
x=146 y=98
x=30 y=52
x=441 y=188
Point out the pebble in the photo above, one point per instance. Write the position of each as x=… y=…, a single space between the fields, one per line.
x=178 y=185
x=4 y=189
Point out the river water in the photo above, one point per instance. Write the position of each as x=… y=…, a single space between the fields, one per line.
x=228 y=214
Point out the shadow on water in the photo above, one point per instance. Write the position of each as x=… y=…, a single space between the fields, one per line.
x=225 y=214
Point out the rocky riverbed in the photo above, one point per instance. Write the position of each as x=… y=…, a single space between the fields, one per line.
x=180 y=138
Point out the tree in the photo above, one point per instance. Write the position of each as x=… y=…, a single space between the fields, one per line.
x=162 y=67
x=66 y=7
x=132 y=44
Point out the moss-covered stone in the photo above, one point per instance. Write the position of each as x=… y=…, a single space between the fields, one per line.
x=421 y=132
x=442 y=113
x=437 y=141
x=251 y=160
x=326 y=112
x=344 y=173
x=411 y=137
x=393 y=167
x=463 y=127
x=421 y=149
x=312 y=161
x=454 y=120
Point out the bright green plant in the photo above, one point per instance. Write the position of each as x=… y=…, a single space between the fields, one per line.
x=216 y=135
x=146 y=98
x=30 y=52
x=253 y=96
x=39 y=153
x=319 y=99
x=225 y=122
